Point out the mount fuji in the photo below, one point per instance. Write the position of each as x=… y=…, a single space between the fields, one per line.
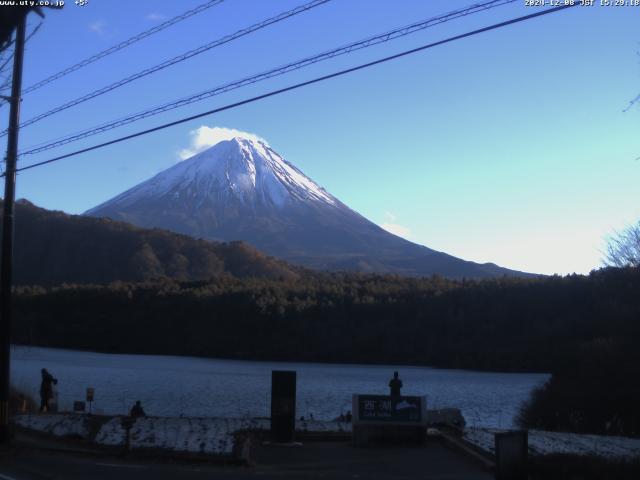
x=241 y=189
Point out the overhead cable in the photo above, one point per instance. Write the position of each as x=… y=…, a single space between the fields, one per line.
x=368 y=42
x=123 y=44
x=175 y=60
x=299 y=85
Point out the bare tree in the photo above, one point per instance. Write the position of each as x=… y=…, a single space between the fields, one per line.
x=623 y=249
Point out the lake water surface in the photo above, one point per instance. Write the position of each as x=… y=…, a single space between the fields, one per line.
x=190 y=386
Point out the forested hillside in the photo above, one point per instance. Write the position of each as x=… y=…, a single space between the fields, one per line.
x=54 y=247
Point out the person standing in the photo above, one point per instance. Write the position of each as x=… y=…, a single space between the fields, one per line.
x=137 y=410
x=46 y=389
x=395 y=384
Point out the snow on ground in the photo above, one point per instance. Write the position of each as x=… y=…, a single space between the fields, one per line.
x=321 y=426
x=111 y=433
x=214 y=436
x=200 y=435
x=546 y=443
x=57 y=425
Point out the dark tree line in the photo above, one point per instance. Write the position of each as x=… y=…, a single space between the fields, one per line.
x=504 y=324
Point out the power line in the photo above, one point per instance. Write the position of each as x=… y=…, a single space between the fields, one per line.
x=300 y=85
x=180 y=58
x=10 y=58
x=631 y=104
x=124 y=44
x=6 y=62
x=368 y=42
x=33 y=32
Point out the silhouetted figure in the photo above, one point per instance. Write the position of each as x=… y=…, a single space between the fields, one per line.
x=348 y=417
x=137 y=410
x=46 y=389
x=395 y=384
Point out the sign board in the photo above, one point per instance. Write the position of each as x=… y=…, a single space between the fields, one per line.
x=90 y=392
x=283 y=406
x=384 y=409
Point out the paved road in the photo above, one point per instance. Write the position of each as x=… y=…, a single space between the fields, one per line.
x=317 y=460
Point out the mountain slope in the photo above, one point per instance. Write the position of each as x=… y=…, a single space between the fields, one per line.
x=241 y=189
x=53 y=247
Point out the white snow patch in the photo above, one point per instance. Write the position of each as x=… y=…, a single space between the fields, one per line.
x=197 y=435
x=322 y=426
x=291 y=176
x=546 y=443
x=213 y=436
x=242 y=168
x=56 y=425
x=111 y=433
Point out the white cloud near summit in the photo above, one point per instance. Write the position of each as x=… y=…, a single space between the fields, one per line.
x=205 y=137
x=390 y=226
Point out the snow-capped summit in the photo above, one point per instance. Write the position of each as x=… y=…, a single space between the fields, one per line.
x=241 y=189
x=240 y=169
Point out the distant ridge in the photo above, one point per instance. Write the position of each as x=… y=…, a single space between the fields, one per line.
x=241 y=189
x=53 y=248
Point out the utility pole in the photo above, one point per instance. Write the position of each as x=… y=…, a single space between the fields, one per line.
x=7 y=232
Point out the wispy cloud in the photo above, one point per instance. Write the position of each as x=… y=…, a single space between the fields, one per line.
x=390 y=217
x=155 y=17
x=98 y=27
x=391 y=226
x=205 y=137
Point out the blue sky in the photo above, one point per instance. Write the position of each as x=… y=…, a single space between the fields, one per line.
x=510 y=147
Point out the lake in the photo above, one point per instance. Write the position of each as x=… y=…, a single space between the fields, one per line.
x=202 y=387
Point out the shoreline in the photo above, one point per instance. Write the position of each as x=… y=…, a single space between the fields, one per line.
x=389 y=366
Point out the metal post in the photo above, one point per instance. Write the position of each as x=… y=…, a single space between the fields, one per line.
x=7 y=232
